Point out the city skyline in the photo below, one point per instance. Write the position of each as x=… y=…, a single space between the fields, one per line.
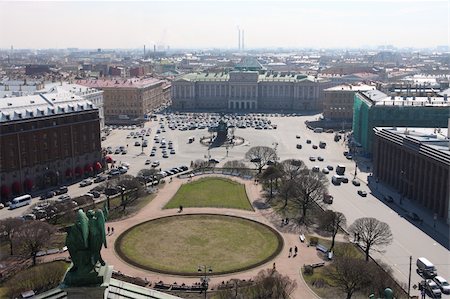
x=207 y=24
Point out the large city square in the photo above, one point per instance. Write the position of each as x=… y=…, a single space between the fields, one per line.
x=410 y=238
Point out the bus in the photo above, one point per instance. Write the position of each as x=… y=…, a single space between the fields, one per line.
x=20 y=201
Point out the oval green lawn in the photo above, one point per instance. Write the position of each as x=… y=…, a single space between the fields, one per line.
x=178 y=244
x=211 y=192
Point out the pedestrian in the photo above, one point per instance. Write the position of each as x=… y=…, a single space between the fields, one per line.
x=109 y=230
x=295 y=251
x=181 y=209
x=282 y=222
x=274 y=268
x=354 y=237
x=112 y=230
x=287 y=221
x=358 y=237
x=290 y=251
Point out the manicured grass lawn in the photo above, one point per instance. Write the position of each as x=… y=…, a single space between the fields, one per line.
x=179 y=244
x=211 y=192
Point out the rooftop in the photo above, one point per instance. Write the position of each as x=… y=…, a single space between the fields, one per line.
x=435 y=138
x=378 y=98
x=269 y=76
x=352 y=87
x=41 y=105
x=119 y=83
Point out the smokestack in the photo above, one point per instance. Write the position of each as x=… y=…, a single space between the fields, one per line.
x=239 y=39
x=242 y=40
x=154 y=48
x=144 y=51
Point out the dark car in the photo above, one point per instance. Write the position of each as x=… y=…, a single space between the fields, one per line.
x=362 y=193
x=299 y=146
x=414 y=217
x=215 y=161
x=314 y=146
x=308 y=141
x=61 y=190
x=388 y=198
x=100 y=178
x=95 y=193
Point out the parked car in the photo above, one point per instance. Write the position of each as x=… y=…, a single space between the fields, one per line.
x=155 y=164
x=325 y=171
x=388 y=199
x=100 y=178
x=362 y=193
x=327 y=198
x=308 y=141
x=442 y=284
x=297 y=136
x=86 y=182
x=215 y=161
x=314 y=146
x=147 y=162
x=64 y=197
x=299 y=146
x=61 y=190
x=329 y=167
x=356 y=182
x=415 y=217
x=320 y=158
x=433 y=289
x=312 y=158
x=96 y=194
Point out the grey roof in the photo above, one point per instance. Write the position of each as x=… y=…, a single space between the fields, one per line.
x=19 y=108
x=117 y=289
x=249 y=63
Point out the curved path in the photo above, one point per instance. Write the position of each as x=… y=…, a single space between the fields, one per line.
x=284 y=265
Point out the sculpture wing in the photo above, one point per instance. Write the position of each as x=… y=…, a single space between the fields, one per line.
x=83 y=222
x=100 y=220
x=105 y=211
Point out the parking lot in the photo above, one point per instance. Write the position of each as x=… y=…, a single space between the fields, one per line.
x=289 y=136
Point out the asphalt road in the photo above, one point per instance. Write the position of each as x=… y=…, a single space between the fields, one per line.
x=409 y=238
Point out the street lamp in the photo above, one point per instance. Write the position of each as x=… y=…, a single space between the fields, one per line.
x=142 y=146
x=204 y=279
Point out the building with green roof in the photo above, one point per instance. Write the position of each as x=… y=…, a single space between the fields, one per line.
x=246 y=90
x=374 y=108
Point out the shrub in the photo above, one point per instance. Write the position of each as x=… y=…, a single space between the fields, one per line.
x=308 y=270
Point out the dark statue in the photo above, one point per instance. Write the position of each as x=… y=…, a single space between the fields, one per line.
x=84 y=242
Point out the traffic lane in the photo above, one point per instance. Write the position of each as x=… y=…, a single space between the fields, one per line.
x=408 y=240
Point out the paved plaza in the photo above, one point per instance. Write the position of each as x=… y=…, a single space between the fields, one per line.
x=410 y=239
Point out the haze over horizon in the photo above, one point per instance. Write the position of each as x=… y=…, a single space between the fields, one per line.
x=203 y=24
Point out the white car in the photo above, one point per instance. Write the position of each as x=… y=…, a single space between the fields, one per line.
x=433 y=288
x=442 y=284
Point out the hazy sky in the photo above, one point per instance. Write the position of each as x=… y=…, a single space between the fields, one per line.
x=195 y=24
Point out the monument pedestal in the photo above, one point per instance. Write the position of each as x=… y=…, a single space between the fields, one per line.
x=99 y=291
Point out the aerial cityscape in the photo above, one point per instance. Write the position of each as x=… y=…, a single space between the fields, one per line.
x=211 y=149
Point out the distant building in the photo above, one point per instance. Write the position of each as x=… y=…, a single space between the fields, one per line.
x=417 y=164
x=137 y=71
x=47 y=140
x=374 y=108
x=246 y=91
x=129 y=100
x=37 y=69
x=18 y=88
x=338 y=101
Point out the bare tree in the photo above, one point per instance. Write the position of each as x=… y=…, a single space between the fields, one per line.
x=33 y=237
x=8 y=229
x=271 y=174
x=348 y=274
x=309 y=191
x=332 y=221
x=286 y=190
x=270 y=283
x=260 y=156
x=292 y=168
x=371 y=232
